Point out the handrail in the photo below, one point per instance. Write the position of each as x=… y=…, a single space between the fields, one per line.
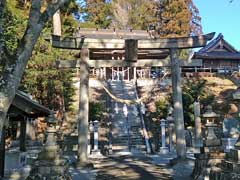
x=145 y=134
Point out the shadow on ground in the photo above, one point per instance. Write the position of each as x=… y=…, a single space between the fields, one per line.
x=127 y=167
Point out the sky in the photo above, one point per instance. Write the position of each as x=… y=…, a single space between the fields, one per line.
x=220 y=16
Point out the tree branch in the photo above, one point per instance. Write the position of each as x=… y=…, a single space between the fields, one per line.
x=35 y=12
x=51 y=9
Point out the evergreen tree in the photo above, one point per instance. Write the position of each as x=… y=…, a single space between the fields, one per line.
x=176 y=18
x=50 y=86
x=22 y=26
x=96 y=13
x=132 y=14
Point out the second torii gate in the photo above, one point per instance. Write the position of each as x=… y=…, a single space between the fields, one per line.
x=131 y=42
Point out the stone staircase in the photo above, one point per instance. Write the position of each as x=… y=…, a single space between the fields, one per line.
x=126 y=131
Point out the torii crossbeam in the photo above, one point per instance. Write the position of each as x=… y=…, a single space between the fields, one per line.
x=131 y=42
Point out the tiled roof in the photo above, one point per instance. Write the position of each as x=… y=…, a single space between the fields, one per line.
x=26 y=104
x=217 y=55
x=215 y=42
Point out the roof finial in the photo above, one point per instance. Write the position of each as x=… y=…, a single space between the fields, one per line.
x=220 y=35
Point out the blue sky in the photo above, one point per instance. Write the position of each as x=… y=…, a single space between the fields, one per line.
x=220 y=16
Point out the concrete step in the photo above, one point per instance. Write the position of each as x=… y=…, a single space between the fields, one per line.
x=120 y=147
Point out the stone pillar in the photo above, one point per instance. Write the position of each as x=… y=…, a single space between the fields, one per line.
x=96 y=125
x=149 y=73
x=91 y=129
x=170 y=131
x=163 y=148
x=105 y=74
x=23 y=134
x=178 y=106
x=110 y=151
x=116 y=107
x=83 y=107
x=112 y=74
x=198 y=125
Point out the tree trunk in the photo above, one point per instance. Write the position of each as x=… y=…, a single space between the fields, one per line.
x=2 y=8
x=57 y=24
x=14 y=68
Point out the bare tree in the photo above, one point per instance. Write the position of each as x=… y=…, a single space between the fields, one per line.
x=14 y=67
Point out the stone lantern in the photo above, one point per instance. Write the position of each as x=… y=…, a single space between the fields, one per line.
x=49 y=164
x=211 y=139
x=211 y=153
x=51 y=148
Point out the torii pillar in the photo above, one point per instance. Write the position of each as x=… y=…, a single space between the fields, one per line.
x=177 y=104
x=83 y=107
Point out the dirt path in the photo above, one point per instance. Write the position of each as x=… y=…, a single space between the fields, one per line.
x=127 y=167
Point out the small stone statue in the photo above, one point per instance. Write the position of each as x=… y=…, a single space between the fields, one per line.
x=152 y=31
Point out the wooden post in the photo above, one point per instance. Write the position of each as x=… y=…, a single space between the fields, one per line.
x=23 y=134
x=135 y=73
x=131 y=50
x=2 y=153
x=178 y=107
x=83 y=107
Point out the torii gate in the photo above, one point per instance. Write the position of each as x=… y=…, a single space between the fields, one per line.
x=131 y=42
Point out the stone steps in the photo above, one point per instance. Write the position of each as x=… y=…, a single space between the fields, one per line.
x=122 y=126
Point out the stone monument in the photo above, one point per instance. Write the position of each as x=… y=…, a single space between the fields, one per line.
x=95 y=153
x=198 y=126
x=163 y=148
x=170 y=132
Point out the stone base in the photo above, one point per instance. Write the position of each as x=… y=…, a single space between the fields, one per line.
x=49 y=170
x=96 y=152
x=49 y=153
x=163 y=150
x=212 y=142
x=198 y=143
x=96 y=155
x=211 y=149
x=86 y=164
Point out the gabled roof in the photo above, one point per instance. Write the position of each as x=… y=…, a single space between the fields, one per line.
x=218 y=43
x=218 y=48
x=23 y=104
